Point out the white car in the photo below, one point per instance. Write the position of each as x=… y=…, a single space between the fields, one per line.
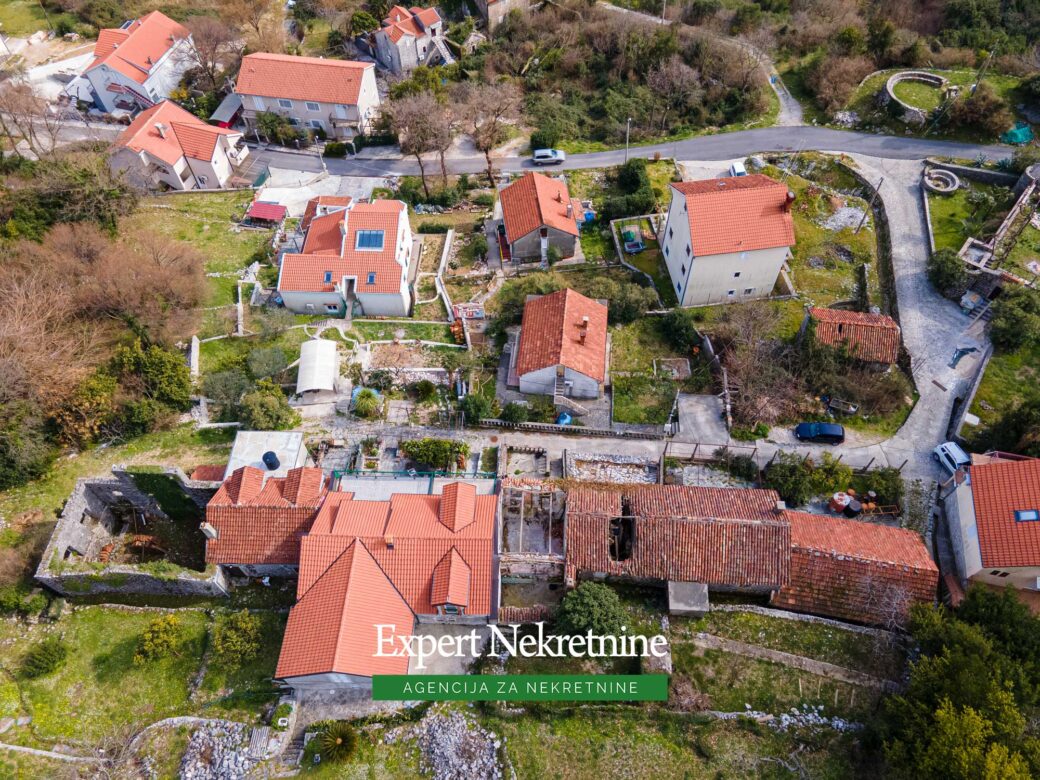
x=951 y=457
x=548 y=157
x=737 y=169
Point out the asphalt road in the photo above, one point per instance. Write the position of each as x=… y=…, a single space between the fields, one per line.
x=725 y=146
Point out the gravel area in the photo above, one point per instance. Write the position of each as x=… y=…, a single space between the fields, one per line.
x=217 y=752
x=452 y=746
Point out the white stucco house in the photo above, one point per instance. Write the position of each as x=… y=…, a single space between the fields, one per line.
x=727 y=239
x=992 y=510
x=338 y=97
x=411 y=37
x=138 y=64
x=562 y=348
x=168 y=146
x=355 y=260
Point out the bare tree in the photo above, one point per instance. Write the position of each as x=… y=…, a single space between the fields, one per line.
x=215 y=47
x=26 y=116
x=487 y=111
x=248 y=12
x=413 y=118
x=676 y=85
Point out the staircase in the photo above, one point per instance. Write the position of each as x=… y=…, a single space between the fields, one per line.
x=560 y=399
x=441 y=48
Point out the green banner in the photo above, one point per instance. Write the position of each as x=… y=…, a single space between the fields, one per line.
x=520 y=687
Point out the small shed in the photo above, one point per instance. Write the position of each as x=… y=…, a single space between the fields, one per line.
x=265 y=213
x=228 y=111
x=319 y=366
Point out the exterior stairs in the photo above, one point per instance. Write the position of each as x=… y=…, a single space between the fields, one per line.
x=560 y=399
x=440 y=48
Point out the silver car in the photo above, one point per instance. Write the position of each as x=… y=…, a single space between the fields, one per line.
x=548 y=157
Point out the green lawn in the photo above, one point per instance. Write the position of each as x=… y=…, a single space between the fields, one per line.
x=225 y=354
x=223 y=291
x=814 y=640
x=650 y=261
x=635 y=347
x=951 y=215
x=642 y=399
x=919 y=94
x=376 y=330
x=238 y=691
x=1026 y=249
x=21 y=18
x=1010 y=378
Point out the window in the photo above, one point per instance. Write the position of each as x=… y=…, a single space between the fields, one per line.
x=332 y=308
x=1027 y=515
x=683 y=270
x=678 y=288
x=203 y=180
x=371 y=277
x=316 y=124
x=294 y=121
x=369 y=239
x=687 y=250
x=666 y=250
x=313 y=106
x=731 y=293
x=670 y=232
x=284 y=103
x=736 y=275
x=748 y=290
x=328 y=277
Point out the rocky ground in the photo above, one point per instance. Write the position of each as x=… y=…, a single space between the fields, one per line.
x=452 y=746
x=217 y=752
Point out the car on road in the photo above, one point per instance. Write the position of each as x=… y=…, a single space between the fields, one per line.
x=548 y=157
x=820 y=432
x=951 y=457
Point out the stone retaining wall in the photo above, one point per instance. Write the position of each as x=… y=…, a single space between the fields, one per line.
x=981 y=175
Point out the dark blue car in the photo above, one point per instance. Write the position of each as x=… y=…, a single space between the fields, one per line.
x=820 y=432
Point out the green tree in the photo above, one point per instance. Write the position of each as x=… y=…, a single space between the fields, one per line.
x=881 y=34
x=439 y=454
x=363 y=22
x=476 y=407
x=162 y=374
x=947 y=273
x=44 y=658
x=680 y=328
x=425 y=390
x=267 y=409
x=226 y=387
x=266 y=361
x=160 y=639
x=236 y=637
x=1016 y=319
x=791 y=477
x=514 y=412
x=593 y=607
x=278 y=129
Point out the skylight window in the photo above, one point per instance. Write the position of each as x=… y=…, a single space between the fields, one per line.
x=328 y=277
x=1027 y=515
x=369 y=239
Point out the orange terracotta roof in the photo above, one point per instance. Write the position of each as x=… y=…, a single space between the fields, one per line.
x=325 y=235
x=450 y=581
x=865 y=572
x=998 y=490
x=261 y=521
x=209 y=472
x=681 y=535
x=403 y=21
x=321 y=204
x=457 y=505
x=332 y=628
x=533 y=201
x=184 y=134
x=301 y=78
x=870 y=337
x=134 y=51
x=737 y=214
x=551 y=334
x=306 y=272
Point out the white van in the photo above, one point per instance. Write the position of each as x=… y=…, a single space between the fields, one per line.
x=737 y=169
x=951 y=457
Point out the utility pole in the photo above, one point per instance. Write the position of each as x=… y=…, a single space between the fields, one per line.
x=870 y=204
x=628 y=130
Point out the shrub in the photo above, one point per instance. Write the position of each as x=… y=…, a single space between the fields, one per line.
x=226 y=387
x=335 y=149
x=425 y=390
x=435 y=453
x=593 y=607
x=747 y=18
x=44 y=658
x=700 y=11
x=484 y=200
x=740 y=466
x=236 y=636
x=886 y=482
x=476 y=407
x=984 y=111
x=434 y=227
x=947 y=273
x=278 y=129
x=163 y=373
x=545 y=137
x=337 y=742
x=367 y=404
x=267 y=409
x=380 y=379
x=1025 y=156
x=742 y=433
x=283 y=710
x=514 y=412
x=680 y=329
x=266 y=361
x=829 y=476
x=159 y=640
x=789 y=476
x=17 y=601
x=1016 y=319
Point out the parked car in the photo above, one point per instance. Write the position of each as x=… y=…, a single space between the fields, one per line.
x=737 y=169
x=548 y=157
x=820 y=432
x=951 y=457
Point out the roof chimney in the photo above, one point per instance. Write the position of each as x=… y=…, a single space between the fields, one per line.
x=559 y=196
x=585 y=322
x=781 y=506
x=389 y=542
x=270 y=460
x=160 y=128
x=788 y=201
x=209 y=531
x=581 y=336
x=570 y=211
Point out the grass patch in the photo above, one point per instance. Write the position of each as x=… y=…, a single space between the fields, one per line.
x=224 y=354
x=830 y=644
x=223 y=290
x=650 y=261
x=919 y=94
x=951 y=214
x=376 y=330
x=21 y=18
x=237 y=691
x=1010 y=379
x=1026 y=249
x=642 y=399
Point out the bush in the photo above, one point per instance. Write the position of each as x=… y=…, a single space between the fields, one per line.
x=789 y=476
x=545 y=138
x=985 y=111
x=279 y=129
x=380 y=379
x=440 y=454
x=159 y=640
x=164 y=374
x=44 y=658
x=266 y=361
x=476 y=407
x=1016 y=319
x=593 y=607
x=485 y=200
x=226 y=387
x=17 y=601
x=742 y=433
x=283 y=710
x=236 y=637
x=740 y=466
x=267 y=409
x=337 y=742
x=947 y=273
x=514 y=412
x=367 y=404
x=680 y=330
x=425 y=390
x=747 y=18
x=434 y=227
x=335 y=149
x=700 y=11
x=1025 y=157
x=829 y=476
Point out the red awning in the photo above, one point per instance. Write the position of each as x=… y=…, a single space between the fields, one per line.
x=271 y=212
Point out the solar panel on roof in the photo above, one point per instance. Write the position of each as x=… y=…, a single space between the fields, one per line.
x=370 y=239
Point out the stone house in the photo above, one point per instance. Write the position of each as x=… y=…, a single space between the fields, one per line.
x=537 y=213
x=409 y=38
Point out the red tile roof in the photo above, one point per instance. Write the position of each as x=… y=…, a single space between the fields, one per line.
x=209 y=472
x=533 y=201
x=323 y=203
x=184 y=134
x=870 y=337
x=727 y=537
x=864 y=572
x=737 y=214
x=403 y=21
x=273 y=212
x=331 y=628
x=551 y=331
x=999 y=489
x=450 y=581
x=306 y=272
x=260 y=521
x=301 y=78
x=457 y=505
x=135 y=50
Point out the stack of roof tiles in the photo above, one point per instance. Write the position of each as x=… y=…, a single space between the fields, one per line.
x=864 y=572
x=873 y=338
x=554 y=332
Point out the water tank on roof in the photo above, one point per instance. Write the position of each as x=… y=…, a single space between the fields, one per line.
x=270 y=460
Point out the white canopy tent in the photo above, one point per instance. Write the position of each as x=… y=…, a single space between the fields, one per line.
x=319 y=366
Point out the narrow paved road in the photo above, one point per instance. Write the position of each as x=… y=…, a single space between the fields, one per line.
x=725 y=146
